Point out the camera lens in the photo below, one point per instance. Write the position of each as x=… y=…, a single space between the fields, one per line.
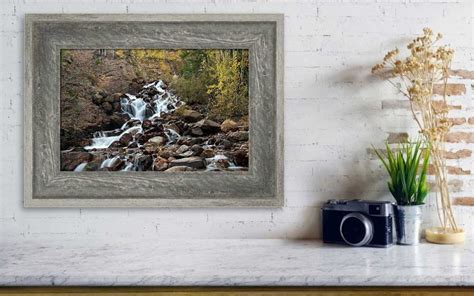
x=356 y=229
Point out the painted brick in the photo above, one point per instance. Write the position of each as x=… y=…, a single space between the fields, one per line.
x=463 y=153
x=452 y=170
x=454 y=185
x=460 y=137
x=396 y=104
x=452 y=89
x=458 y=120
x=464 y=201
x=442 y=104
x=462 y=73
x=394 y=138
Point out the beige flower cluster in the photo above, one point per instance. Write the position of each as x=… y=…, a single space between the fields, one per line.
x=426 y=65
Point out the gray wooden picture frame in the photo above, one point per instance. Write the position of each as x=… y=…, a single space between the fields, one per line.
x=45 y=185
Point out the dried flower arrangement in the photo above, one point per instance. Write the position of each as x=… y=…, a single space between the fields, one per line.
x=426 y=66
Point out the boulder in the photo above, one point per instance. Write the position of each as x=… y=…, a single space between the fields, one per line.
x=94 y=165
x=193 y=162
x=160 y=164
x=207 y=153
x=165 y=153
x=116 y=144
x=133 y=145
x=117 y=120
x=108 y=108
x=117 y=96
x=70 y=160
x=133 y=122
x=117 y=165
x=241 y=158
x=150 y=147
x=189 y=141
x=238 y=136
x=197 y=131
x=208 y=126
x=211 y=141
x=141 y=139
x=222 y=163
x=226 y=144
x=146 y=124
x=229 y=125
x=150 y=134
x=196 y=149
x=190 y=115
x=173 y=127
x=159 y=140
x=186 y=154
x=179 y=169
x=143 y=162
x=182 y=149
x=151 y=91
x=125 y=139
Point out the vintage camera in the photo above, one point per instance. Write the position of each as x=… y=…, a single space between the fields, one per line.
x=358 y=222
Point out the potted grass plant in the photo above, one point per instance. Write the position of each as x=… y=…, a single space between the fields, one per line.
x=407 y=167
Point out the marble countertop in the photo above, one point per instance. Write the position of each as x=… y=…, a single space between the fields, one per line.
x=230 y=263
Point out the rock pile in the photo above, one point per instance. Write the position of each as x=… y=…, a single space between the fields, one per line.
x=161 y=134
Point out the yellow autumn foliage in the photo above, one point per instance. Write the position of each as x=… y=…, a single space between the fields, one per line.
x=228 y=69
x=216 y=78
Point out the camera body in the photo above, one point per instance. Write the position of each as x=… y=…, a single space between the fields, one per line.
x=358 y=223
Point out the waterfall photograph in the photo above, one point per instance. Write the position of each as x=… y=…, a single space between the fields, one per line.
x=179 y=110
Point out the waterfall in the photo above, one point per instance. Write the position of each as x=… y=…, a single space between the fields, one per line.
x=109 y=162
x=128 y=167
x=158 y=85
x=137 y=108
x=172 y=135
x=102 y=141
x=218 y=160
x=134 y=107
x=80 y=167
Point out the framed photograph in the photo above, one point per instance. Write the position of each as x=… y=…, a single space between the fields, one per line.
x=153 y=110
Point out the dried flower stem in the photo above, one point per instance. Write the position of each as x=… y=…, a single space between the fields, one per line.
x=426 y=66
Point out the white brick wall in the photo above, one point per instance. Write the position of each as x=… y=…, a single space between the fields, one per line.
x=332 y=114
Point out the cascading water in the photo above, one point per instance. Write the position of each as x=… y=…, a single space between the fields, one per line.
x=102 y=141
x=155 y=139
x=140 y=109
x=128 y=166
x=80 y=167
x=219 y=161
x=172 y=135
x=134 y=107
